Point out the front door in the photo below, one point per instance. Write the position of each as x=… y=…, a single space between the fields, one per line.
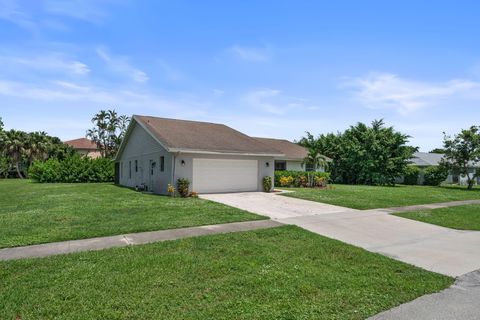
x=151 y=173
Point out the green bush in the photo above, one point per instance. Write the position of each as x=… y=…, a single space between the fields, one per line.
x=300 y=178
x=182 y=187
x=73 y=169
x=435 y=175
x=267 y=183
x=411 y=175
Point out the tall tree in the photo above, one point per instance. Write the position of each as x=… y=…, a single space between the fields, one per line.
x=108 y=131
x=364 y=154
x=462 y=153
x=438 y=150
x=37 y=146
x=14 y=148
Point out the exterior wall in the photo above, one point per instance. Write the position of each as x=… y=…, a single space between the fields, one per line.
x=145 y=150
x=89 y=153
x=186 y=171
x=293 y=165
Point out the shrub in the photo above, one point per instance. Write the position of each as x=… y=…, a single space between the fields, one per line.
x=320 y=182
x=182 y=187
x=299 y=178
x=411 y=175
x=286 y=181
x=435 y=175
x=171 y=190
x=73 y=169
x=267 y=183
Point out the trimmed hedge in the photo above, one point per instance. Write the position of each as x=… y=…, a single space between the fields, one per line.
x=299 y=178
x=73 y=169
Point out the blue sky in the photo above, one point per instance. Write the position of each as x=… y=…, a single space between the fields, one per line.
x=267 y=68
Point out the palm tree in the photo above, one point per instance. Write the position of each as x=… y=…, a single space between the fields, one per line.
x=37 y=146
x=14 y=148
x=315 y=160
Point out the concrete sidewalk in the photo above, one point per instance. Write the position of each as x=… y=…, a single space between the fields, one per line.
x=421 y=207
x=54 y=248
x=460 y=301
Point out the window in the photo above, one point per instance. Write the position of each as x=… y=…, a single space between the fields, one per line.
x=309 y=167
x=130 y=169
x=280 y=165
x=162 y=163
x=121 y=169
x=136 y=165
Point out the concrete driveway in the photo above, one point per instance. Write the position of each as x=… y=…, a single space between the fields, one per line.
x=272 y=205
x=447 y=251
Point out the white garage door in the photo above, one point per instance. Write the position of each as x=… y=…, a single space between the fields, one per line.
x=221 y=175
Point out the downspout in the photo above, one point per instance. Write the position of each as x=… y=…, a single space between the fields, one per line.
x=174 y=167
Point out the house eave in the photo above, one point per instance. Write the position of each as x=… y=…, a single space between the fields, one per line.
x=229 y=153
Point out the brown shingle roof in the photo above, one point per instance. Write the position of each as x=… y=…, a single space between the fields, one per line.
x=292 y=151
x=82 y=143
x=184 y=135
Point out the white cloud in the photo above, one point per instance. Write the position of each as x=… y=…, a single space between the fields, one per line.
x=389 y=91
x=10 y=10
x=263 y=99
x=47 y=62
x=121 y=65
x=88 y=10
x=250 y=53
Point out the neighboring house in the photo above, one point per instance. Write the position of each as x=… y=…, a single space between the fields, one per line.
x=425 y=159
x=85 y=147
x=293 y=157
x=213 y=157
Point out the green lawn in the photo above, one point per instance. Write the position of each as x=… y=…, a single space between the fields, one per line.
x=462 y=217
x=371 y=197
x=33 y=213
x=279 y=273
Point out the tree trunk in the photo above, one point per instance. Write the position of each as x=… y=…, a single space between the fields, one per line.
x=470 y=181
x=17 y=167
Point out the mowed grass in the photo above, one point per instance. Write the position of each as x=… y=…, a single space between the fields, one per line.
x=32 y=213
x=462 y=217
x=371 y=197
x=279 y=273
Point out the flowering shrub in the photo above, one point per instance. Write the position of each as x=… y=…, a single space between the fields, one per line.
x=321 y=182
x=286 y=181
x=301 y=181
x=171 y=190
x=194 y=194
x=300 y=178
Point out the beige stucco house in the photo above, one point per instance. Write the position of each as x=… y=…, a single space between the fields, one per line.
x=85 y=147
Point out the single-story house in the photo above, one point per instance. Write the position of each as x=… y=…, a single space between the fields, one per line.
x=293 y=155
x=426 y=159
x=85 y=147
x=213 y=157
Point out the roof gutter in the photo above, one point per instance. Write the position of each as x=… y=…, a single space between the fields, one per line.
x=178 y=150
